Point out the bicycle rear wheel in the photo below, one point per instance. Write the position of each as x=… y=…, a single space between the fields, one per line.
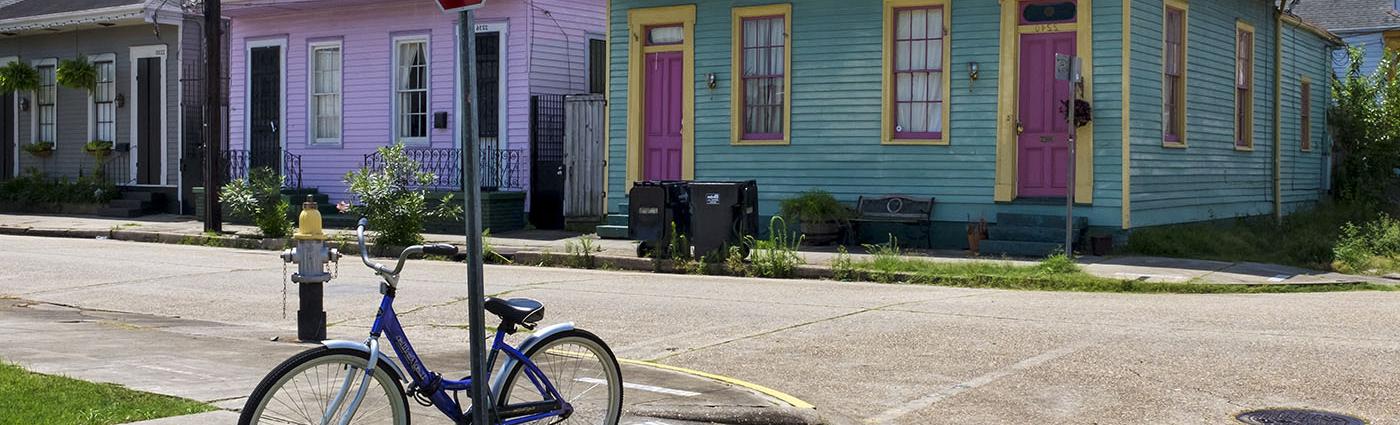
x=302 y=390
x=583 y=370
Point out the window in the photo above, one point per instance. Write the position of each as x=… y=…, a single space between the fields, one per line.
x=104 y=110
x=325 y=93
x=916 y=54
x=1174 y=75
x=411 y=91
x=1244 y=87
x=760 y=91
x=661 y=36
x=1305 y=115
x=46 y=102
x=597 y=65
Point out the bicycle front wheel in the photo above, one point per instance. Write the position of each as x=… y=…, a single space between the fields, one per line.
x=304 y=390
x=584 y=371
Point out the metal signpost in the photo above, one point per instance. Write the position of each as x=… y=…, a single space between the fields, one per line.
x=1070 y=69
x=476 y=293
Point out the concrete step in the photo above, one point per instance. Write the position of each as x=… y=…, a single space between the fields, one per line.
x=152 y=197
x=1019 y=248
x=1038 y=220
x=1003 y=232
x=121 y=212
x=609 y=231
x=129 y=203
x=617 y=219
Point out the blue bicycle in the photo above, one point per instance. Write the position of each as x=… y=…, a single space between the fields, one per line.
x=558 y=374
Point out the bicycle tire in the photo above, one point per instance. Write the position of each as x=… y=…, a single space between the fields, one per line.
x=609 y=371
x=384 y=374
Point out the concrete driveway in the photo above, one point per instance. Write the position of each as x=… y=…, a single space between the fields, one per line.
x=868 y=352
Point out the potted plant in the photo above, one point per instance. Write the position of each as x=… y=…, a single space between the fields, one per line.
x=819 y=213
x=39 y=149
x=98 y=148
x=76 y=73
x=17 y=77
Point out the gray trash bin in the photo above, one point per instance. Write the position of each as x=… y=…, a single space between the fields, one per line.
x=722 y=214
x=653 y=206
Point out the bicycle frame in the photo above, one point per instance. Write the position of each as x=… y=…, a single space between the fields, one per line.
x=387 y=322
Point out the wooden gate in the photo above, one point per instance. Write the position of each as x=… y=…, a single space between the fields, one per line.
x=583 y=155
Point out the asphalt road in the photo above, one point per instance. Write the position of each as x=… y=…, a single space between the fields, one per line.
x=870 y=352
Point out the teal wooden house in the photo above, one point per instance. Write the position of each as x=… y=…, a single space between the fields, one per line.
x=1200 y=109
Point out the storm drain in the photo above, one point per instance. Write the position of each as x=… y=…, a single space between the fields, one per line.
x=1297 y=417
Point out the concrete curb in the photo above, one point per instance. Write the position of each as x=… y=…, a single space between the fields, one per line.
x=732 y=415
x=518 y=255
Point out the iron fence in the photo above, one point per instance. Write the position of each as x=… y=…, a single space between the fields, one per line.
x=500 y=168
x=115 y=168
x=235 y=163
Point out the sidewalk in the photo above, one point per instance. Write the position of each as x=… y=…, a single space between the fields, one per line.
x=174 y=229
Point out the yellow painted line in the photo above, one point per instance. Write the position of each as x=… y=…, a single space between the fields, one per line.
x=784 y=397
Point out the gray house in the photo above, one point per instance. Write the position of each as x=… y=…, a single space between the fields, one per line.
x=145 y=53
x=1371 y=25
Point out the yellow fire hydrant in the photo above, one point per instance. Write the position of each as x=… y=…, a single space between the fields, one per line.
x=312 y=257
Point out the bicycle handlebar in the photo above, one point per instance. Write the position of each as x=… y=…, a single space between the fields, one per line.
x=435 y=249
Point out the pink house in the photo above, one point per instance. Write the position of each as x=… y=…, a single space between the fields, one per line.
x=316 y=87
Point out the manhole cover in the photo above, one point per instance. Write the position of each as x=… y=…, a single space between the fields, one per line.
x=1296 y=417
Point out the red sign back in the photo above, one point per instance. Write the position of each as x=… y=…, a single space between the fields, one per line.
x=460 y=5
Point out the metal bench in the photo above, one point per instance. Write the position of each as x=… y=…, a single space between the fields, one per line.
x=894 y=209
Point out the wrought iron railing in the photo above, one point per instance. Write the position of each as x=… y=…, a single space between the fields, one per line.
x=236 y=163
x=500 y=168
x=115 y=168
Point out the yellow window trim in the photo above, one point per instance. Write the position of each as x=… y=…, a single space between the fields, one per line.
x=736 y=99
x=1392 y=39
x=887 y=118
x=1185 y=70
x=1126 y=119
x=1008 y=97
x=1305 y=82
x=637 y=22
x=1248 y=132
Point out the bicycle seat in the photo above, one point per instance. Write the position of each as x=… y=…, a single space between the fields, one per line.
x=516 y=310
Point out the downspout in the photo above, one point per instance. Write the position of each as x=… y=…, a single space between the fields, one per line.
x=1278 y=115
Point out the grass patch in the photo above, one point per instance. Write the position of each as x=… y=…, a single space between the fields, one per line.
x=1305 y=239
x=1056 y=273
x=32 y=398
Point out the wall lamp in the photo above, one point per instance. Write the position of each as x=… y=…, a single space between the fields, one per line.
x=974 y=71
x=711 y=81
x=120 y=100
x=24 y=104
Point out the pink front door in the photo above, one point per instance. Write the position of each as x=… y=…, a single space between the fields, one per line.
x=661 y=144
x=1043 y=144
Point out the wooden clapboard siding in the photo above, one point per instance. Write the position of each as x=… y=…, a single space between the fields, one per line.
x=71 y=123
x=1210 y=178
x=836 y=101
x=366 y=34
x=1305 y=56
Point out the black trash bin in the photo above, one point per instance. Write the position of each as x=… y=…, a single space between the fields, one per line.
x=655 y=208
x=723 y=213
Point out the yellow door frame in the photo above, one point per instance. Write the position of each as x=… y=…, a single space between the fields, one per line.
x=638 y=20
x=1008 y=103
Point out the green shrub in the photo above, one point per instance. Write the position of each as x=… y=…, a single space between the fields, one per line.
x=18 y=76
x=1058 y=263
x=35 y=188
x=1366 y=119
x=581 y=252
x=1370 y=247
x=1304 y=239
x=396 y=210
x=76 y=73
x=776 y=256
x=843 y=267
x=259 y=198
x=814 y=206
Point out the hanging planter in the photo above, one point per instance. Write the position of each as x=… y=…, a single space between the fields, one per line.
x=1083 y=112
x=18 y=77
x=39 y=149
x=98 y=148
x=77 y=73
